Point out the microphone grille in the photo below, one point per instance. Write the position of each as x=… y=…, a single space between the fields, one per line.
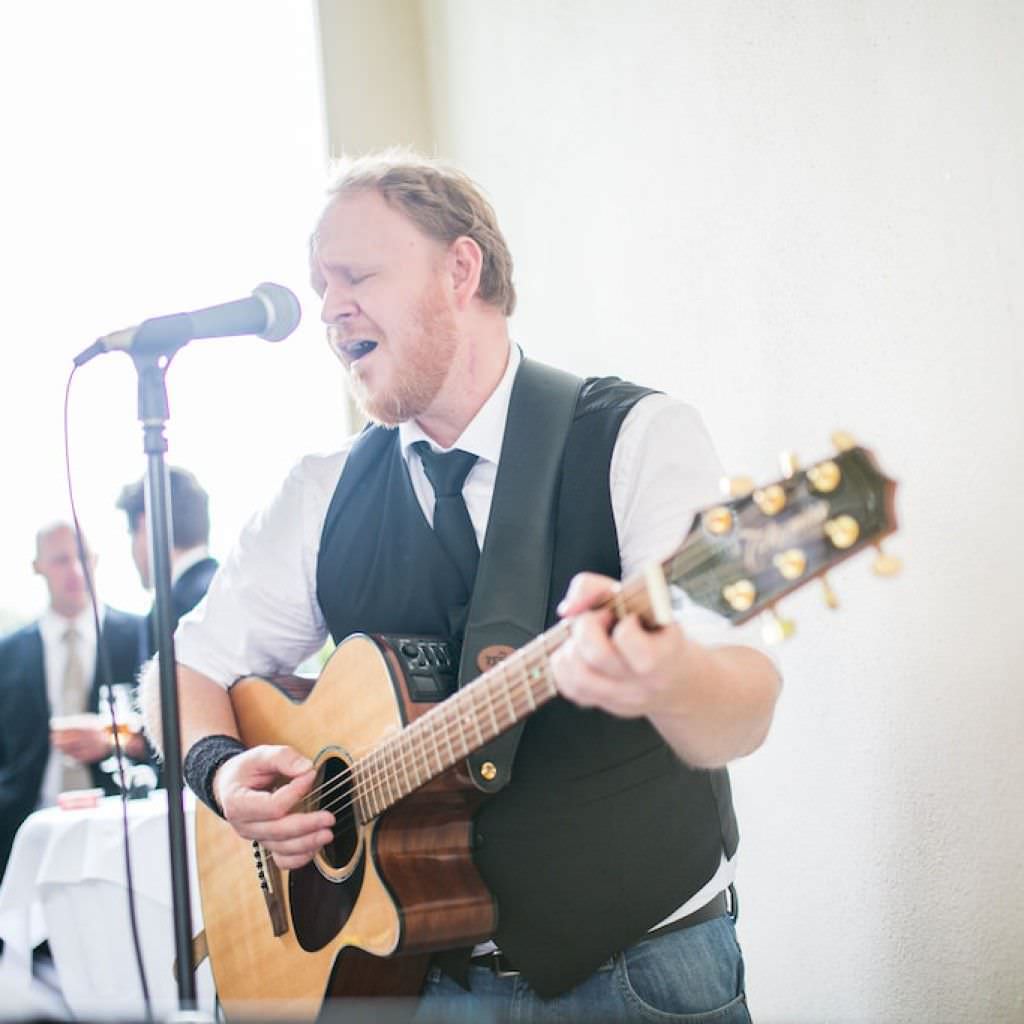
x=283 y=310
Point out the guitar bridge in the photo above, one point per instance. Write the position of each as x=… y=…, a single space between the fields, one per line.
x=269 y=876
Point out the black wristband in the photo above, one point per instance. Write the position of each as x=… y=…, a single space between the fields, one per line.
x=201 y=762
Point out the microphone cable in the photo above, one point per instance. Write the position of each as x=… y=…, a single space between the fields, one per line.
x=106 y=676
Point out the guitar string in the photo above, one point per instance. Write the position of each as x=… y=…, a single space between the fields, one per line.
x=388 y=778
x=392 y=749
x=416 y=756
x=446 y=732
x=428 y=725
x=443 y=722
x=382 y=784
x=351 y=824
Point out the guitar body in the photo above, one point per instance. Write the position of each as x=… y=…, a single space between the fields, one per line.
x=402 y=884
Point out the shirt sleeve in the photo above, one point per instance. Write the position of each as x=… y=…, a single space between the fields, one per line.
x=260 y=615
x=664 y=470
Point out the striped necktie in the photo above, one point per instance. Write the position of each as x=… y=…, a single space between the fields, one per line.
x=75 y=701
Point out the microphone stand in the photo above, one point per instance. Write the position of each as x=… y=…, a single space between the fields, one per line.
x=154 y=414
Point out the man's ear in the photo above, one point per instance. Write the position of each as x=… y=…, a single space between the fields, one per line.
x=35 y=567
x=465 y=264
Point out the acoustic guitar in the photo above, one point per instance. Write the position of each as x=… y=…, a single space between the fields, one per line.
x=398 y=879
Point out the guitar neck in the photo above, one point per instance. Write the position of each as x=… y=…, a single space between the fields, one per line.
x=478 y=713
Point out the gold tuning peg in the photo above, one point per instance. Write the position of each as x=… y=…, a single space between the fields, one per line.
x=831 y=601
x=842 y=441
x=776 y=629
x=885 y=564
x=736 y=486
x=789 y=463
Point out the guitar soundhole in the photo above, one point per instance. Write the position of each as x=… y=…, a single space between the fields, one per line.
x=335 y=786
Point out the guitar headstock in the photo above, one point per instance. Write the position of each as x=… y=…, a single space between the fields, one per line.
x=743 y=555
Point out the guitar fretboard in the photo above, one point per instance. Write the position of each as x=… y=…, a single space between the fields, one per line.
x=477 y=714
x=453 y=729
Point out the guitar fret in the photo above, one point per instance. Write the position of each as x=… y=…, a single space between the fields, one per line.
x=430 y=770
x=490 y=708
x=406 y=753
x=543 y=670
x=529 y=694
x=382 y=776
x=403 y=762
x=432 y=732
x=508 y=700
x=422 y=767
x=474 y=717
x=389 y=776
x=420 y=748
x=477 y=721
x=448 y=736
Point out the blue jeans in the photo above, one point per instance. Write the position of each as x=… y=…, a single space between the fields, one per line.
x=693 y=975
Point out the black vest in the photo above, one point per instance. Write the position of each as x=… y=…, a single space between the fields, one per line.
x=602 y=831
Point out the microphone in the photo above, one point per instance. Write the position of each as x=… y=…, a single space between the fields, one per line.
x=272 y=312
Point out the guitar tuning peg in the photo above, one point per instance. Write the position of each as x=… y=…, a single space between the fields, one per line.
x=842 y=441
x=789 y=463
x=886 y=564
x=736 y=486
x=831 y=601
x=776 y=629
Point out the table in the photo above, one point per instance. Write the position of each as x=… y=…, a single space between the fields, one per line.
x=66 y=883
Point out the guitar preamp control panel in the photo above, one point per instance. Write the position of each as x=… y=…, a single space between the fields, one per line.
x=431 y=666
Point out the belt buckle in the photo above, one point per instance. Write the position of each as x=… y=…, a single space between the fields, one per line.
x=501 y=967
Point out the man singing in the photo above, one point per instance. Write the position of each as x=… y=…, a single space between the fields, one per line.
x=611 y=851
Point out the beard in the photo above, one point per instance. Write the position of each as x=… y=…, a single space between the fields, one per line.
x=419 y=377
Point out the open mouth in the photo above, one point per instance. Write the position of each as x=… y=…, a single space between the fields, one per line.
x=353 y=351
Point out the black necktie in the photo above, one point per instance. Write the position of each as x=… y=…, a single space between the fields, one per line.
x=447 y=472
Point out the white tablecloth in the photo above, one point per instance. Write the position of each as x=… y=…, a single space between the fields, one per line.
x=66 y=883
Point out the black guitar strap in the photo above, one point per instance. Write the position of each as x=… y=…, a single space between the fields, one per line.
x=513 y=583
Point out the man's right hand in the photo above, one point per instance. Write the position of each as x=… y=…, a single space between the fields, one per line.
x=259 y=792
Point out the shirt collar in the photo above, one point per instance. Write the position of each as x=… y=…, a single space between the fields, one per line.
x=486 y=430
x=54 y=626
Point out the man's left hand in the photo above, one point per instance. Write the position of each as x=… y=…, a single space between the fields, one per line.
x=710 y=704
x=624 y=669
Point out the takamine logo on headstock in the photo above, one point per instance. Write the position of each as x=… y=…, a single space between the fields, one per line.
x=741 y=556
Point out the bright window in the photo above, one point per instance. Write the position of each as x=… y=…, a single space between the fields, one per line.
x=159 y=157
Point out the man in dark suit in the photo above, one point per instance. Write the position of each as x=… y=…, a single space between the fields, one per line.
x=49 y=671
x=192 y=568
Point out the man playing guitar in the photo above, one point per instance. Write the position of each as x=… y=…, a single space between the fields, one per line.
x=610 y=851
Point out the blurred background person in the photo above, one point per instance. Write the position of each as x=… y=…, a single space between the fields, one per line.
x=192 y=567
x=53 y=733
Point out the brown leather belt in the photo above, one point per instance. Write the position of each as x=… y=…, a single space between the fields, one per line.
x=724 y=903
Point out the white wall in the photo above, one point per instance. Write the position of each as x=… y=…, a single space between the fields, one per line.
x=801 y=216
x=374 y=82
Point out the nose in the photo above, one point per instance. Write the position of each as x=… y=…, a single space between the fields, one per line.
x=339 y=304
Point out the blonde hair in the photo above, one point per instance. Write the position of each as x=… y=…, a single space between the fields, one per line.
x=443 y=202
